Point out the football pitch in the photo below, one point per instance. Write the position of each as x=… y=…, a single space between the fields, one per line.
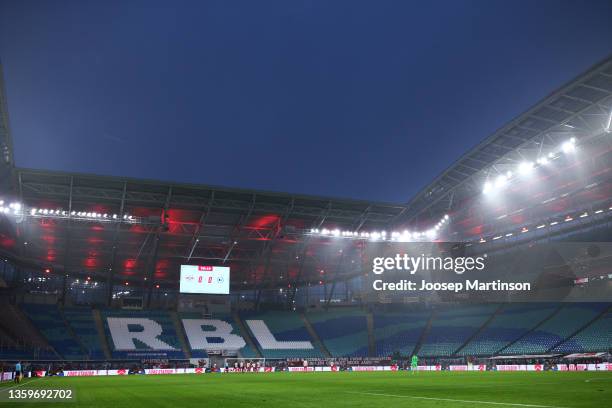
x=347 y=389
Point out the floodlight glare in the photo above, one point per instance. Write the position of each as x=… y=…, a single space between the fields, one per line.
x=500 y=181
x=569 y=146
x=525 y=168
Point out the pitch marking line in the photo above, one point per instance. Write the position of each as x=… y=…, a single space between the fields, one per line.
x=455 y=400
x=597 y=379
x=17 y=385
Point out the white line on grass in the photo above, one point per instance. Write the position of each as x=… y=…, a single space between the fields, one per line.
x=598 y=379
x=455 y=400
x=17 y=385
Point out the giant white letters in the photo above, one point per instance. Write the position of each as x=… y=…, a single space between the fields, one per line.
x=199 y=339
x=123 y=338
x=125 y=330
x=267 y=340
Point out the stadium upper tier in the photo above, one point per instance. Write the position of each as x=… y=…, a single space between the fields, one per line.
x=477 y=330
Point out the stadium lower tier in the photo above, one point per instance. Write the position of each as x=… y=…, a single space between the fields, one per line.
x=475 y=330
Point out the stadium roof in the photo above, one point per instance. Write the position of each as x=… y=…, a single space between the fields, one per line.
x=578 y=109
x=261 y=235
x=173 y=223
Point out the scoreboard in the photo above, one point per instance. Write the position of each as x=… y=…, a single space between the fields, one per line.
x=211 y=280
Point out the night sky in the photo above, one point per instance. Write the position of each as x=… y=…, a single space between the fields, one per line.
x=361 y=99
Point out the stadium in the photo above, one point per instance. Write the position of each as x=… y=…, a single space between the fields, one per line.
x=136 y=292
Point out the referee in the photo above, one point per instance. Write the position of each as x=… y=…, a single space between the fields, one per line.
x=17 y=372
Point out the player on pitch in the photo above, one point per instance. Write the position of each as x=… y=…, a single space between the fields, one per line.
x=414 y=363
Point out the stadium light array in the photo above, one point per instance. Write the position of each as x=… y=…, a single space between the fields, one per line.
x=10 y=209
x=18 y=209
x=397 y=236
x=59 y=213
x=575 y=216
x=525 y=168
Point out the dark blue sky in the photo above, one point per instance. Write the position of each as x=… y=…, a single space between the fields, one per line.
x=354 y=99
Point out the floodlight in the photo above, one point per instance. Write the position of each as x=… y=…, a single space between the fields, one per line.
x=525 y=168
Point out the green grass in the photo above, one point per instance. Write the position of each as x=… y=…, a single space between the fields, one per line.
x=382 y=389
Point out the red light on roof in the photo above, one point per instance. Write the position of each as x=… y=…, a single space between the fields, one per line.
x=156 y=286
x=47 y=270
x=127 y=283
x=129 y=263
x=91 y=263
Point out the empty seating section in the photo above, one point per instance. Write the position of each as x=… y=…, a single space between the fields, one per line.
x=50 y=322
x=20 y=328
x=247 y=351
x=565 y=322
x=512 y=322
x=27 y=353
x=171 y=346
x=289 y=339
x=398 y=332
x=6 y=340
x=194 y=352
x=83 y=326
x=596 y=337
x=343 y=332
x=19 y=339
x=34 y=331
x=450 y=329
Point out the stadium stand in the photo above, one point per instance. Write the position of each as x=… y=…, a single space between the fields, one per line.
x=194 y=352
x=398 y=332
x=20 y=339
x=168 y=335
x=6 y=339
x=596 y=337
x=285 y=327
x=344 y=332
x=512 y=322
x=83 y=326
x=564 y=323
x=54 y=327
x=477 y=330
x=450 y=329
x=246 y=351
